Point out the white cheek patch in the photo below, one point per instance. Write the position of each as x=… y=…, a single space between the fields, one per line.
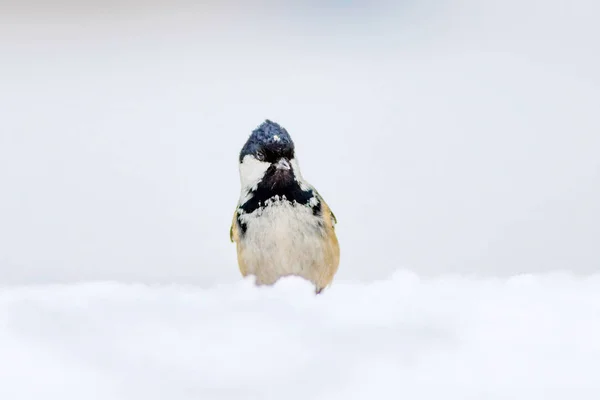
x=251 y=172
x=296 y=167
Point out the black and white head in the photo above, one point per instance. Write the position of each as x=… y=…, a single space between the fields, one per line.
x=268 y=157
x=268 y=166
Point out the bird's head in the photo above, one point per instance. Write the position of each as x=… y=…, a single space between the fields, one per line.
x=268 y=156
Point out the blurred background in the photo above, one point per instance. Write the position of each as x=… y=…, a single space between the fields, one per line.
x=448 y=136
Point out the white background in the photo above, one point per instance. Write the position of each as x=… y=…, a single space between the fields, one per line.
x=448 y=136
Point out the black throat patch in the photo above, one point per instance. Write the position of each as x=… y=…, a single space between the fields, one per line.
x=277 y=182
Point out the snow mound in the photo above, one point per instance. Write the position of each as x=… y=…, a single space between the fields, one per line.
x=528 y=337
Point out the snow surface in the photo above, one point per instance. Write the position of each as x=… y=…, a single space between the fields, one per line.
x=527 y=337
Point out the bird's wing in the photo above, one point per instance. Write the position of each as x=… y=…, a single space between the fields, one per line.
x=233 y=231
x=328 y=215
x=333 y=218
x=326 y=208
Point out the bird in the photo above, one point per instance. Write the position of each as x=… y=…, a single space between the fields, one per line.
x=281 y=226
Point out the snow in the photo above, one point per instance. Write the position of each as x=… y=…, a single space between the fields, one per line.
x=526 y=337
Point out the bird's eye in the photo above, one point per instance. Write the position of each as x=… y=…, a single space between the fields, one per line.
x=260 y=155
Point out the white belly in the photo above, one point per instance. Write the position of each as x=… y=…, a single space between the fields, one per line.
x=285 y=239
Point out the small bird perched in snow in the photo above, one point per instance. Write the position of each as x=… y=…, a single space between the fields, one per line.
x=281 y=226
